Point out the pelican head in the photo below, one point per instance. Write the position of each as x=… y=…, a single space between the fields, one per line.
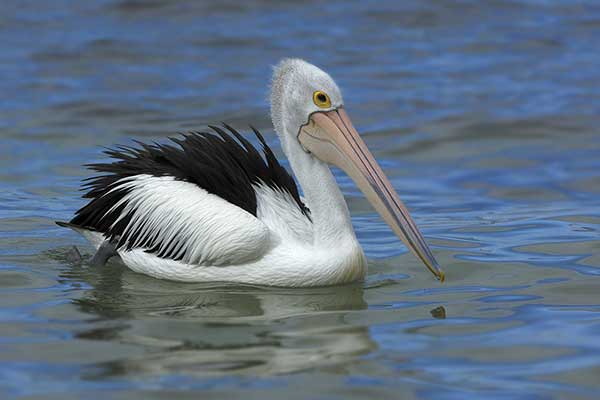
x=308 y=113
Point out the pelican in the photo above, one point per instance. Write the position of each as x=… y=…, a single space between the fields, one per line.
x=209 y=207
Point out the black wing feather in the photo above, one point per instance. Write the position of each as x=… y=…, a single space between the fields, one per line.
x=222 y=162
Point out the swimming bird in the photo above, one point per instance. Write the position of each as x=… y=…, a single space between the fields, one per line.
x=209 y=207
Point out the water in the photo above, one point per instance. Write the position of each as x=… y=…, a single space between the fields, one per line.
x=485 y=116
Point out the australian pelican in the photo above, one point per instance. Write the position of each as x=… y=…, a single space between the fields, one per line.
x=209 y=207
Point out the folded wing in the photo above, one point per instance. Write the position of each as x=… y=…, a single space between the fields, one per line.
x=194 y=201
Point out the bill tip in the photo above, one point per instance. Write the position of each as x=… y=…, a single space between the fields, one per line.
x=441 y=276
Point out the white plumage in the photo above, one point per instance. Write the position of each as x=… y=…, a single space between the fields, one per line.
x=225 y=243
x=189 y=223
x=214 y=210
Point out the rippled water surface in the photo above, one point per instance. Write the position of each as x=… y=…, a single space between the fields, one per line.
x=485 y=115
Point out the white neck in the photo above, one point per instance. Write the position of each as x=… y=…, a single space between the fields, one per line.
x=328 y=209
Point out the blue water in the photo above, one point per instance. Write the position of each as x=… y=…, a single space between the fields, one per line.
x=485 y=116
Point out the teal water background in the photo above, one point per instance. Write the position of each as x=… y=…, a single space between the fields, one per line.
x=484 y=114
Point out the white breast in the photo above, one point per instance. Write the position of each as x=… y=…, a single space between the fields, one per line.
x=218 y=241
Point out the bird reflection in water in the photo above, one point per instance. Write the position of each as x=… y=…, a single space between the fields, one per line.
x=217 y=329
x=201 y=329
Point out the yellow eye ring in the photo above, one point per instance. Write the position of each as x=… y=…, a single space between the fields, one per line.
x=321 y=99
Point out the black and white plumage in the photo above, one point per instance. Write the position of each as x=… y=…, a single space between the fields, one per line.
x=222 y=162
x=208 y=206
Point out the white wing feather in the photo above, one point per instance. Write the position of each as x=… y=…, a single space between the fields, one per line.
x=189 y=223
x=280 y=212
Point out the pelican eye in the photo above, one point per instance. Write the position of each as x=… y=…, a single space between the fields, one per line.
x=321 y=99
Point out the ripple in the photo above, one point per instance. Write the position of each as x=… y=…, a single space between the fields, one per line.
x=484 y=116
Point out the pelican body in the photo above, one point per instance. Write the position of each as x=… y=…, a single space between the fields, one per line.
x=208 y=206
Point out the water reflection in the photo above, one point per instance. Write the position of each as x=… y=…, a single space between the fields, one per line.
x=438 y=312
x=485 y=118
x=213 y=329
